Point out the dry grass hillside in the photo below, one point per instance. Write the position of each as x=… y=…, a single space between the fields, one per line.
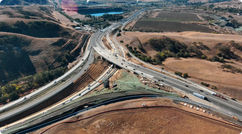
x=200 y=70
x=32 y=35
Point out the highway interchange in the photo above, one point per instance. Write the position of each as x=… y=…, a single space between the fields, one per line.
x=232 y=107
x=229 y=106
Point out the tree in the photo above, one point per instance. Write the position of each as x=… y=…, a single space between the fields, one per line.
x=219 y=54
x=123 y=42
x=119 y=34
x=221 y=59
x=13 y=96
x=135 y=49
x=215 y=58
x=185 y=75
x=9 y=88
x=203 y=56
x=128 y=54
x=178 y=73
x=127 y=45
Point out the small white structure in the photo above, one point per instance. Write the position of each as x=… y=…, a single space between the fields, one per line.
x=78 y=28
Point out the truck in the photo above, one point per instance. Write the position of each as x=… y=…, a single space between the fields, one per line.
x=218 y=95
x=200 y=96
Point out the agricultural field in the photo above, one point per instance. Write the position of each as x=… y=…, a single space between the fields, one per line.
x=176 y=16
x=167 y=26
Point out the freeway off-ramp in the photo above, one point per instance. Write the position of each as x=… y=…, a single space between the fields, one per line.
x=233 y=108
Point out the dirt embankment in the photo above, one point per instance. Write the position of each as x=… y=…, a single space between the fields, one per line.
x=199 y=70
x=142 y=120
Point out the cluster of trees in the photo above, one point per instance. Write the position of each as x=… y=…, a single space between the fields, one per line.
x=100 y=22
x=185 y=75
x=167 y=44
x=14 y=89
x=138 y=54
x=119 y=33
x=231 y=68
x=141 y=48
x=236 y=45
x=171 y=48
x=95 y=21
x=35 y=28
x=205 y=84
x=161 y=56
x=112 y=17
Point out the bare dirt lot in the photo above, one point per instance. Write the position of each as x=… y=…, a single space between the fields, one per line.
x=142 y=120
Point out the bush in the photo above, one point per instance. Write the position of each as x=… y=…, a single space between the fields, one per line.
x=141 y=48
x=219 y=54
x=214 y=87
x=215 y=58
x=203 y=56
x=178 y=73
x=205 y=84
x=119 y=34
x=121 y=41
x=128 y=54
x=185 y=75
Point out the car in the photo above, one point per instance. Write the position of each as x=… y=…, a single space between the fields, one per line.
x=186 y=85
x=82 y=59
x=162 y=80
x=142 y=73
x=89 y=85
x=164 y=77
x=201 y=91
x=134 y=69
x=121 y=63
x=233 y=99
x=125 y=66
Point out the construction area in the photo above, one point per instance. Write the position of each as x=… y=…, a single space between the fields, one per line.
x=123 y=81
x=145 y=115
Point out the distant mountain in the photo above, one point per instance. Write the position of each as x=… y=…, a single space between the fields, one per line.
x=23 y=2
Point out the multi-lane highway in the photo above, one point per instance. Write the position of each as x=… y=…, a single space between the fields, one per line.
x=230 y=106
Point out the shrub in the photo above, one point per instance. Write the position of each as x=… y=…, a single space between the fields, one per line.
x=219 y=54
x=205 y=84
x=215 y=58
x=178 y=73
x=203 y=56
x=128 y=54
x=185 y=75
x=121 y=41
x=119 y=34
